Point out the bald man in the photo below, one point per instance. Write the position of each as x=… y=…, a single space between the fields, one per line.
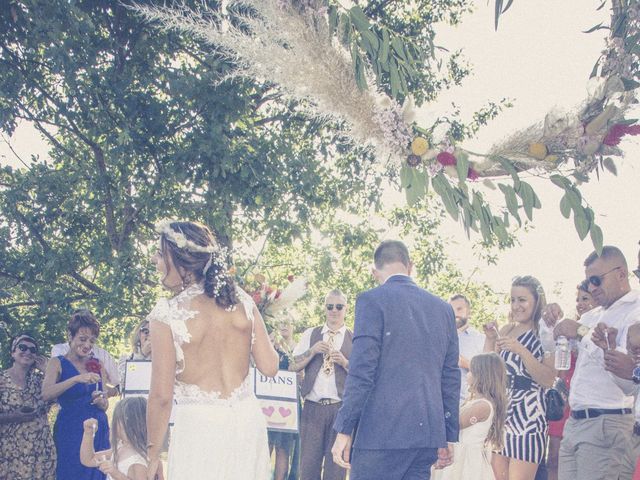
x=597 y=436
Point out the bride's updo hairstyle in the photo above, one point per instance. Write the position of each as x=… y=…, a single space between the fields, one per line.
x=194 y=250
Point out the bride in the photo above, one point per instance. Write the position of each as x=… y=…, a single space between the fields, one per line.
x=202 y=340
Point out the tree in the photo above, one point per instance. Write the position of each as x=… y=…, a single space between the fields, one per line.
x=140 y=129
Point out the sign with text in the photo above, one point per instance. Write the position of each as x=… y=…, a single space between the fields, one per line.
x=279 y=400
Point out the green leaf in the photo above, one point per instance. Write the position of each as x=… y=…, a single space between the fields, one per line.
x=333 y=19
x=359 y=18
x=395 y=79
x=345 y=29
x=398 y=47
x=462 y=166
x=609 y=165
x=527 y=195
x=417 y=185
x=565 y=206
x=596 y=237
x=406 y=175
x=511 y=200
x=498 y=11
x=384 y=50
x=596 y=27
x=581 y=222
x=361 y=78
x=560 y=181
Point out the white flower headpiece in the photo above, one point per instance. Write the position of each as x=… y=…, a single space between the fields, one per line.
x=218 y=254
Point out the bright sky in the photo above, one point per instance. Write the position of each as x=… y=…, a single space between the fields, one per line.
x=540 y=59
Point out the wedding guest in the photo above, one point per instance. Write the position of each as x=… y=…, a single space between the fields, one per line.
x=105 y=359
x=140 y=349
x=584 y=303
x=26 y=446
x=323 y=352
x=73 y=381
x=127 y=460
x=482 y=420
x=530 y=371
x=597 y=435
x=283 y=442
x=470 y=340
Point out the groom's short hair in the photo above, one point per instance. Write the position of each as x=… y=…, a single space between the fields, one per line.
x=391 y=251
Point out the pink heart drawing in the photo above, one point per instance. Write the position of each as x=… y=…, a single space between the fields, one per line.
x=285 y=412
x=268 y=411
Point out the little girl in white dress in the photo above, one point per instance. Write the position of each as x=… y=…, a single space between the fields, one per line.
x=482 y=420
x=127 y=457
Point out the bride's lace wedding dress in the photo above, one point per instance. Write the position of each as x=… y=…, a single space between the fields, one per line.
x=212 y=437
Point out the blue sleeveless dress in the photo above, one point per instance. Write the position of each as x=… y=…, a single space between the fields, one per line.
x=75 y=408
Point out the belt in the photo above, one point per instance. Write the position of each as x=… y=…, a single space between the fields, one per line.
x=326 y=401
x=596 y=412
x=519 y=382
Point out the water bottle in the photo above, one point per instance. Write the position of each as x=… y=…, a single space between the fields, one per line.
x=563 y=354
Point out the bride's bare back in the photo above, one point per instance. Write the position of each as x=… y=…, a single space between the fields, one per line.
x=216 y=358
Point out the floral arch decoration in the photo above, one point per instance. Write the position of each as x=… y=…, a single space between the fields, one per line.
x=337 y=60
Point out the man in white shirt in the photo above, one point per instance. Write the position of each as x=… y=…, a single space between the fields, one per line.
x=323 y=353
x=597 y=436
x=470 y=341
x=110 y=366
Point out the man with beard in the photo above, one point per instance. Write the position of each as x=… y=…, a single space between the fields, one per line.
x=470 y=340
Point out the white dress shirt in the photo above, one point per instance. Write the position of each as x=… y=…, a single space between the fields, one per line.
x=325 y=385
x=592 y=386
x=471 y=343
x=110 y=366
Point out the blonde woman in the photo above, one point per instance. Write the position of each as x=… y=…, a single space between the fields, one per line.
x=481 y=421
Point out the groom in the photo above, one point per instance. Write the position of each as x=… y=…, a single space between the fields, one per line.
x=403 y=388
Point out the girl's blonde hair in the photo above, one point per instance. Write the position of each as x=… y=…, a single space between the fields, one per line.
x=130 y=415
x=489 y=379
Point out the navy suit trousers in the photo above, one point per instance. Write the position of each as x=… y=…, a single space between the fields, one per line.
x=400 y=464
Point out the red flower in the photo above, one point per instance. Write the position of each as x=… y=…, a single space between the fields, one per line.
x=472 y=174
x=290 y=278
x=618 y=131
x=93 y=366
x=257 y=297
x=445 y=159
x=278 y=293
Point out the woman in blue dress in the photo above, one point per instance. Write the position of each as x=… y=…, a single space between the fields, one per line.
x=75 y=381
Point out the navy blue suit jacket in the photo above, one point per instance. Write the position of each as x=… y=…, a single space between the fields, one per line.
x=403 y=386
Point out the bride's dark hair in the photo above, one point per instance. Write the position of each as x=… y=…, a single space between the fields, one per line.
x=208 y=266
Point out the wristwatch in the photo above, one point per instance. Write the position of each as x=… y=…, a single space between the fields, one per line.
x=583 y=331
x=635 y=375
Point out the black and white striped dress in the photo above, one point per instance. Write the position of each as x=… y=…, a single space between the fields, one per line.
x=526 y=424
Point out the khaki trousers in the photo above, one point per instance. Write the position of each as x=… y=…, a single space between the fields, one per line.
x=596 y=448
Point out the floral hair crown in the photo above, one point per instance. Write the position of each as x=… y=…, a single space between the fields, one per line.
x=217 y=254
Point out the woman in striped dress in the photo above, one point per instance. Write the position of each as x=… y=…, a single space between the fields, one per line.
x=530 y=371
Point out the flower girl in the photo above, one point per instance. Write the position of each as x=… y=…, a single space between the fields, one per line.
x=482 y=420
x=128 y=459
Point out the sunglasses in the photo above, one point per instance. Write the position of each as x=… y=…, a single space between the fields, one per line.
x=338 y=306
x=596 y=280
x=144 y=330
x=636 y=272
x=23 y=348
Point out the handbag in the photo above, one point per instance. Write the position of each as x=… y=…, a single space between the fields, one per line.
x=556 y=398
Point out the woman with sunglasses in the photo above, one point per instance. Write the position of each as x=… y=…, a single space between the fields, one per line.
x=140 y=348
x=26 y=445
x=530 y=371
